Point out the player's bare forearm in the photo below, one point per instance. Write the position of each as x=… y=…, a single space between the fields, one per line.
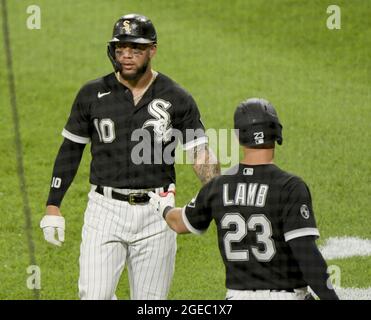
x=206 y=165
x=175 y=221
x=53 y=210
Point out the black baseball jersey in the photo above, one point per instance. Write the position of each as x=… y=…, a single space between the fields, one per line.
x=132 y=146
x=256 y=211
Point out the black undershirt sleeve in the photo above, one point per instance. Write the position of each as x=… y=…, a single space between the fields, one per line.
x=313 y=266
x=65 y=168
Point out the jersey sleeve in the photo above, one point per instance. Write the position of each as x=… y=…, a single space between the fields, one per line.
x=77 y=126
x=197 y=213
x=188 y=121
x=298 y=216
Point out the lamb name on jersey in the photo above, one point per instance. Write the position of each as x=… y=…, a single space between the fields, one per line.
x=252 y=194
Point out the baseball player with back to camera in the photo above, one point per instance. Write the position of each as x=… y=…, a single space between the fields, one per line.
x=120 y=227
x=264 y=217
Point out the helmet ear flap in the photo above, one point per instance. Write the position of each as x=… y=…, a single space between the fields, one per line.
x=111 y=56
x=279 y=137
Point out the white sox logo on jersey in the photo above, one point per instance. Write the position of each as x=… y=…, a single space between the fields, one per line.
x=162 y=123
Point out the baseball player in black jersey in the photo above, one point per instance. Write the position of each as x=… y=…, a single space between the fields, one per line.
x=264 y=217
x=129 y=117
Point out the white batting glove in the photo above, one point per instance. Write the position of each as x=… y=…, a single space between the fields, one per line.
x=162 y=201
x=51 y=224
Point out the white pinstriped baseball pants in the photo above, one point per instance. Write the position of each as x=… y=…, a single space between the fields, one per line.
x=298 y=294
x=116 y=234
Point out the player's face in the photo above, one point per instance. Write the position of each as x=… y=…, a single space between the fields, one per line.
x=134 y=58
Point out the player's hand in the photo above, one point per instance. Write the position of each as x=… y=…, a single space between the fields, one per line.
x=163 y=201
x=51 y=225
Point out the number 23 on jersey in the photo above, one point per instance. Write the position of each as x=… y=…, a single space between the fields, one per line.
x=242 y=228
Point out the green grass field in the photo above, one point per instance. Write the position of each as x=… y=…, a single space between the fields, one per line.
x=222 y=52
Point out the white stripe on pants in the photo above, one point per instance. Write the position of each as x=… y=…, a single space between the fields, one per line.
x=116 y=233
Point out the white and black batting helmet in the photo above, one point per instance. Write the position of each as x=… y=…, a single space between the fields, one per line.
x=257 y=123
x=133 y=28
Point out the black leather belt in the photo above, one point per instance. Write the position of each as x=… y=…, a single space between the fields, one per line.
x=273 y=290
x=133 y=198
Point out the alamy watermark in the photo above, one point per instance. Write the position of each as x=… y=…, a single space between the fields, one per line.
x=334 y=279
x=334 y=20
x=34 y=280
x=149 y=150
x=34 y=18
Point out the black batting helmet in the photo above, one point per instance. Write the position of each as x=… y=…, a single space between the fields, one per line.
x=257 y=123
x=130 y=28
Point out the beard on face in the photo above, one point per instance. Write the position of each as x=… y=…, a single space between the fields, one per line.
x=137 y=74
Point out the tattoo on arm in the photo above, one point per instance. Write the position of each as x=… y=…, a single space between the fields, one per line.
x=205 y=163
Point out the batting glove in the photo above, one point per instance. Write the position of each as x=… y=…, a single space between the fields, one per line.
x=163 y=202
x=51 y=224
